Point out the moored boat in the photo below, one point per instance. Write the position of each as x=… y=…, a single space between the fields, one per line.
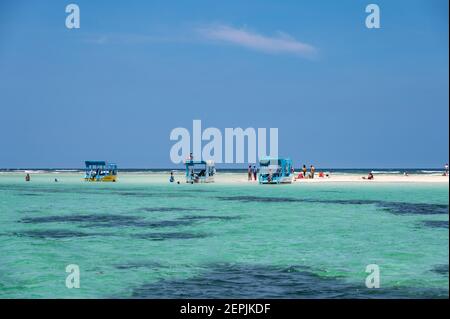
x=275 y=171
x=100 y=171
x=200 y=171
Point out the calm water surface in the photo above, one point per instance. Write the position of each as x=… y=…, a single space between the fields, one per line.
x=134 y=239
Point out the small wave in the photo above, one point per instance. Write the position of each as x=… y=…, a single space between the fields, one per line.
x=145 y=172
x=386 y=172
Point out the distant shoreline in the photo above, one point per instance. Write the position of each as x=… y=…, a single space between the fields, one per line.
x=239 y=176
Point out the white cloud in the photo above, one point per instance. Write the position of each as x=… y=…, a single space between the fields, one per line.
x=282 y=43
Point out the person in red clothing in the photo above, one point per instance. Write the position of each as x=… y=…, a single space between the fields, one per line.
x=369 y=177
x=304 y=170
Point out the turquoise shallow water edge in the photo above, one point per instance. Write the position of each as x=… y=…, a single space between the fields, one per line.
x=134 y=239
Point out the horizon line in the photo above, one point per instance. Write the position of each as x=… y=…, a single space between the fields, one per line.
x=225 y=168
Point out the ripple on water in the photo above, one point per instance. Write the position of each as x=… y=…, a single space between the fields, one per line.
x=139 y=264
x=260 y=199
x=142 y=223
x=171 y=235
x=169 y=209
x=209 y=217
x=106 y=220
x=99 y=218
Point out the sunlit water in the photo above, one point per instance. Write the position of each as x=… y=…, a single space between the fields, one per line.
x=144 y=238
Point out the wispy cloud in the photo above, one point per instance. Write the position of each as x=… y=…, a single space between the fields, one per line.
x=281 y=43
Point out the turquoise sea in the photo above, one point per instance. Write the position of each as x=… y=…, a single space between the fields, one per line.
x=143 y=238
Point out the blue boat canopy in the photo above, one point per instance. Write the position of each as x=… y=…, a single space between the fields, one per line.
x=273 y=161
x=95 y=163
x=192 y=162
x=275 y=170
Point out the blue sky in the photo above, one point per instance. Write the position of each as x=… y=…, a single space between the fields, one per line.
x=340 y=94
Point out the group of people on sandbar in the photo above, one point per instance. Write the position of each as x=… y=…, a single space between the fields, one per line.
x=311 y=174
x=252 y=173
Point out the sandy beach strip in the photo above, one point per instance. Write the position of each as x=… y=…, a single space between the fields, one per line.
x=224 y=177
x=231 y=178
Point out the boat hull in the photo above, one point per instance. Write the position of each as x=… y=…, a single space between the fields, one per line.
x=281 y=180
x=108 y=178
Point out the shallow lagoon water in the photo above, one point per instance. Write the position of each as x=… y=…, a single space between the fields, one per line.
x=143 y=238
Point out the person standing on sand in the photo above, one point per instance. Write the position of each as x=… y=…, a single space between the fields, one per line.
x=255 y=172
x=304 y=170
x=446 y=170
x=312 y=170
x=249 y=173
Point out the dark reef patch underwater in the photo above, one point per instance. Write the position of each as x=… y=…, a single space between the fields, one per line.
x=61 y=234
x=435 y=223
x=441 y=270
x=105 y=220
x=52 y=234
x=397 y=208
x=237 y=281
x=115 y=220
